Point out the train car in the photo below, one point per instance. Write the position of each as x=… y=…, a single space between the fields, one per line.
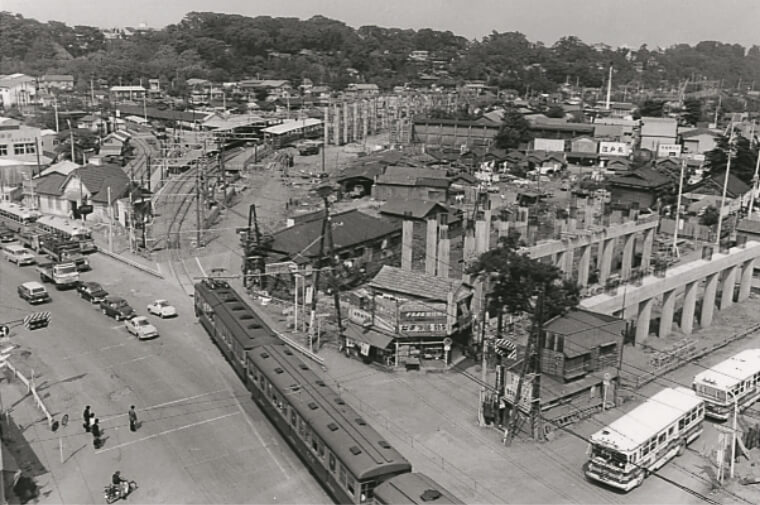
x=345 y=453
x=411 y=489
x=229 y=321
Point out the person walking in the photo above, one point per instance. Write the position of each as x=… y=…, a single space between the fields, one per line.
x=132 y=419
x=86 y=416
x=96 y=433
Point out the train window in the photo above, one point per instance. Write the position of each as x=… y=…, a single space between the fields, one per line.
x=293 y=416
x=331 y=460
x=351 y=485
x=342 y=474
x=315 y=444
x=306 y=434
x=301 y=426
x=321 y=449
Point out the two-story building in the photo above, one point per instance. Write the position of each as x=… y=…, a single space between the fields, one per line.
x=657 y=131
x=412 y=183
x=52 y=82
x=129 y=93
x=644 y=186
x=17 y=90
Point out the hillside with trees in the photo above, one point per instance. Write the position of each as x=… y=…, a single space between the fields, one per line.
x=223 y=47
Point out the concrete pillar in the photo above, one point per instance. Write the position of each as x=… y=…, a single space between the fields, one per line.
x=355 y=132
x=481 y=240
x=468 y=247
x=583 y=265
x=642 y=320
x=503 y=228
x=326 y=129
x=629 y=242
x=431 y=245
x=746 y=280
x=336 y=124
x=407 y=237
x=689 y=303
x=666 y=313
x=727 y=287
x=559 y=260
x=444 y=248
x=345 y=123
x=646 y=249
x=599 y=254
x=572 y=224
x=708 y=300
x=606 y=264
x=487 y=214
x=567 y=265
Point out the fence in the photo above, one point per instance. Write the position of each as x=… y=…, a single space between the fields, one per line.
x=132 y=263
x=648 y=377
x=30 y=387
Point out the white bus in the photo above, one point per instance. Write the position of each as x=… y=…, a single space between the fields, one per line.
x=68 y=229
x=643 y=440
x=16 y=216
x=736 y=379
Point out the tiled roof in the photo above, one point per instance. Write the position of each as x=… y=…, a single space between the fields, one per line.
x=50 y=184
x=350 y=229
x=166 y=115
x=98 y=178
x=414 y=176
x=415 y=284
x=368 y=171
x=735 y=188
x=418 y=209
x=584 y=330
x=643 y=177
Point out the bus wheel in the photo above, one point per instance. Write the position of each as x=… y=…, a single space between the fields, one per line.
x=639 y=480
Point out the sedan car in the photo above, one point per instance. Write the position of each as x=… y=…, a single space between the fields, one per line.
x=116 y=307
x=162 y=308
x=92 y=292
x=141 y=328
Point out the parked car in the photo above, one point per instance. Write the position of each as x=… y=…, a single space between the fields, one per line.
x=19 y=254
x=162 y=309
x=92 y=292
x=141 y=328
x=6 y=235
x=33 y=292
x=117 y=307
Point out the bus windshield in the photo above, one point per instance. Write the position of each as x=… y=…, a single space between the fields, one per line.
x=609 y=456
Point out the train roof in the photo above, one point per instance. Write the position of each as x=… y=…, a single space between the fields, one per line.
x=245 y=326
x=413 y=488
x=358 y=446
x=732 y=371
x=631 y=430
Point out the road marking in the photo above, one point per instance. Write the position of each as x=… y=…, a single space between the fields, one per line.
x=165 y=404
x=166 y=432
x=261 y=439
x=197 y=260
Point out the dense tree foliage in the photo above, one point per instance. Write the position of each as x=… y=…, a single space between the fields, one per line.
x=227 y=46
x=743 y=157
x=515 y=280
x=514 y=131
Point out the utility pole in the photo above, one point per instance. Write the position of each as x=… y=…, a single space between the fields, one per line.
x=336 y=290
x=198 y=235
x=676 y=253
x=531 y=365
x=316 y=269
x=725 y=183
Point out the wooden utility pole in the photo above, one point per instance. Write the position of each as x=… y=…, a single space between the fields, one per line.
x=331 y=250
x=315 y=272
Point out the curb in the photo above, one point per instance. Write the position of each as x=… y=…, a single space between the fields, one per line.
x=132 y=263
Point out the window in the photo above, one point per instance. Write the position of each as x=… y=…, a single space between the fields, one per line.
x=367 y=491
x=331 y=462
x=342 y=475
x=351 y=485
x=301 y=426
x=681 y=424
x=293 y=417
x=662 y=438
x=671 y=430
x=18 y=149
x=3 y=150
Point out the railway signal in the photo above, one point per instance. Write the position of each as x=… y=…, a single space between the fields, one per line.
x=37 y=320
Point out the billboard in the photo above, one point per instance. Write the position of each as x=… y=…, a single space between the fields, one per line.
x=511 y=381
x=614 y=148
x=423 y=320
x=668 y=150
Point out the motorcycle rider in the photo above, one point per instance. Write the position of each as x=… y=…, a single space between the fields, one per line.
x=119 y=484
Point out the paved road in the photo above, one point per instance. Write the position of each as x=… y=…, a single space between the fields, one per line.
x=202 y=439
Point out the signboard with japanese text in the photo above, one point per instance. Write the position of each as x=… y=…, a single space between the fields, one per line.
x=511 y=381
x=614 y=148
x=669 y=150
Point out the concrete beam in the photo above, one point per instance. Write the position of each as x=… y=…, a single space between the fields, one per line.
x=727 y=287
x=666 y=314
x=407 y=238
x=689 y=304
x=589 y=237
x=642 y=320
x=745 y=284
x=708 y=300
x=675 y=277
x=628 y=242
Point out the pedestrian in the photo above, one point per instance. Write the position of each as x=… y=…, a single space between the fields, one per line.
x=95 y=434
x=132 y=419
x=86 y=416
x=92 y=420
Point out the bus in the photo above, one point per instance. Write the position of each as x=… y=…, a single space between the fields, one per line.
x=16 y=216
x=735 y=381
x=68 y=229
x=623 y=453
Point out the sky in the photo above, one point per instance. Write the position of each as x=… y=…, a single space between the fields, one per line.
x=615 y=22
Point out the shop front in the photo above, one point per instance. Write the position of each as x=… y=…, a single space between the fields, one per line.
x=369 y=344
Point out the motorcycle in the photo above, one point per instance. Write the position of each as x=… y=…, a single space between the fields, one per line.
x=114 y=493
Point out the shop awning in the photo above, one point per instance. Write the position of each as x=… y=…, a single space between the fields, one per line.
x=368 y=336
